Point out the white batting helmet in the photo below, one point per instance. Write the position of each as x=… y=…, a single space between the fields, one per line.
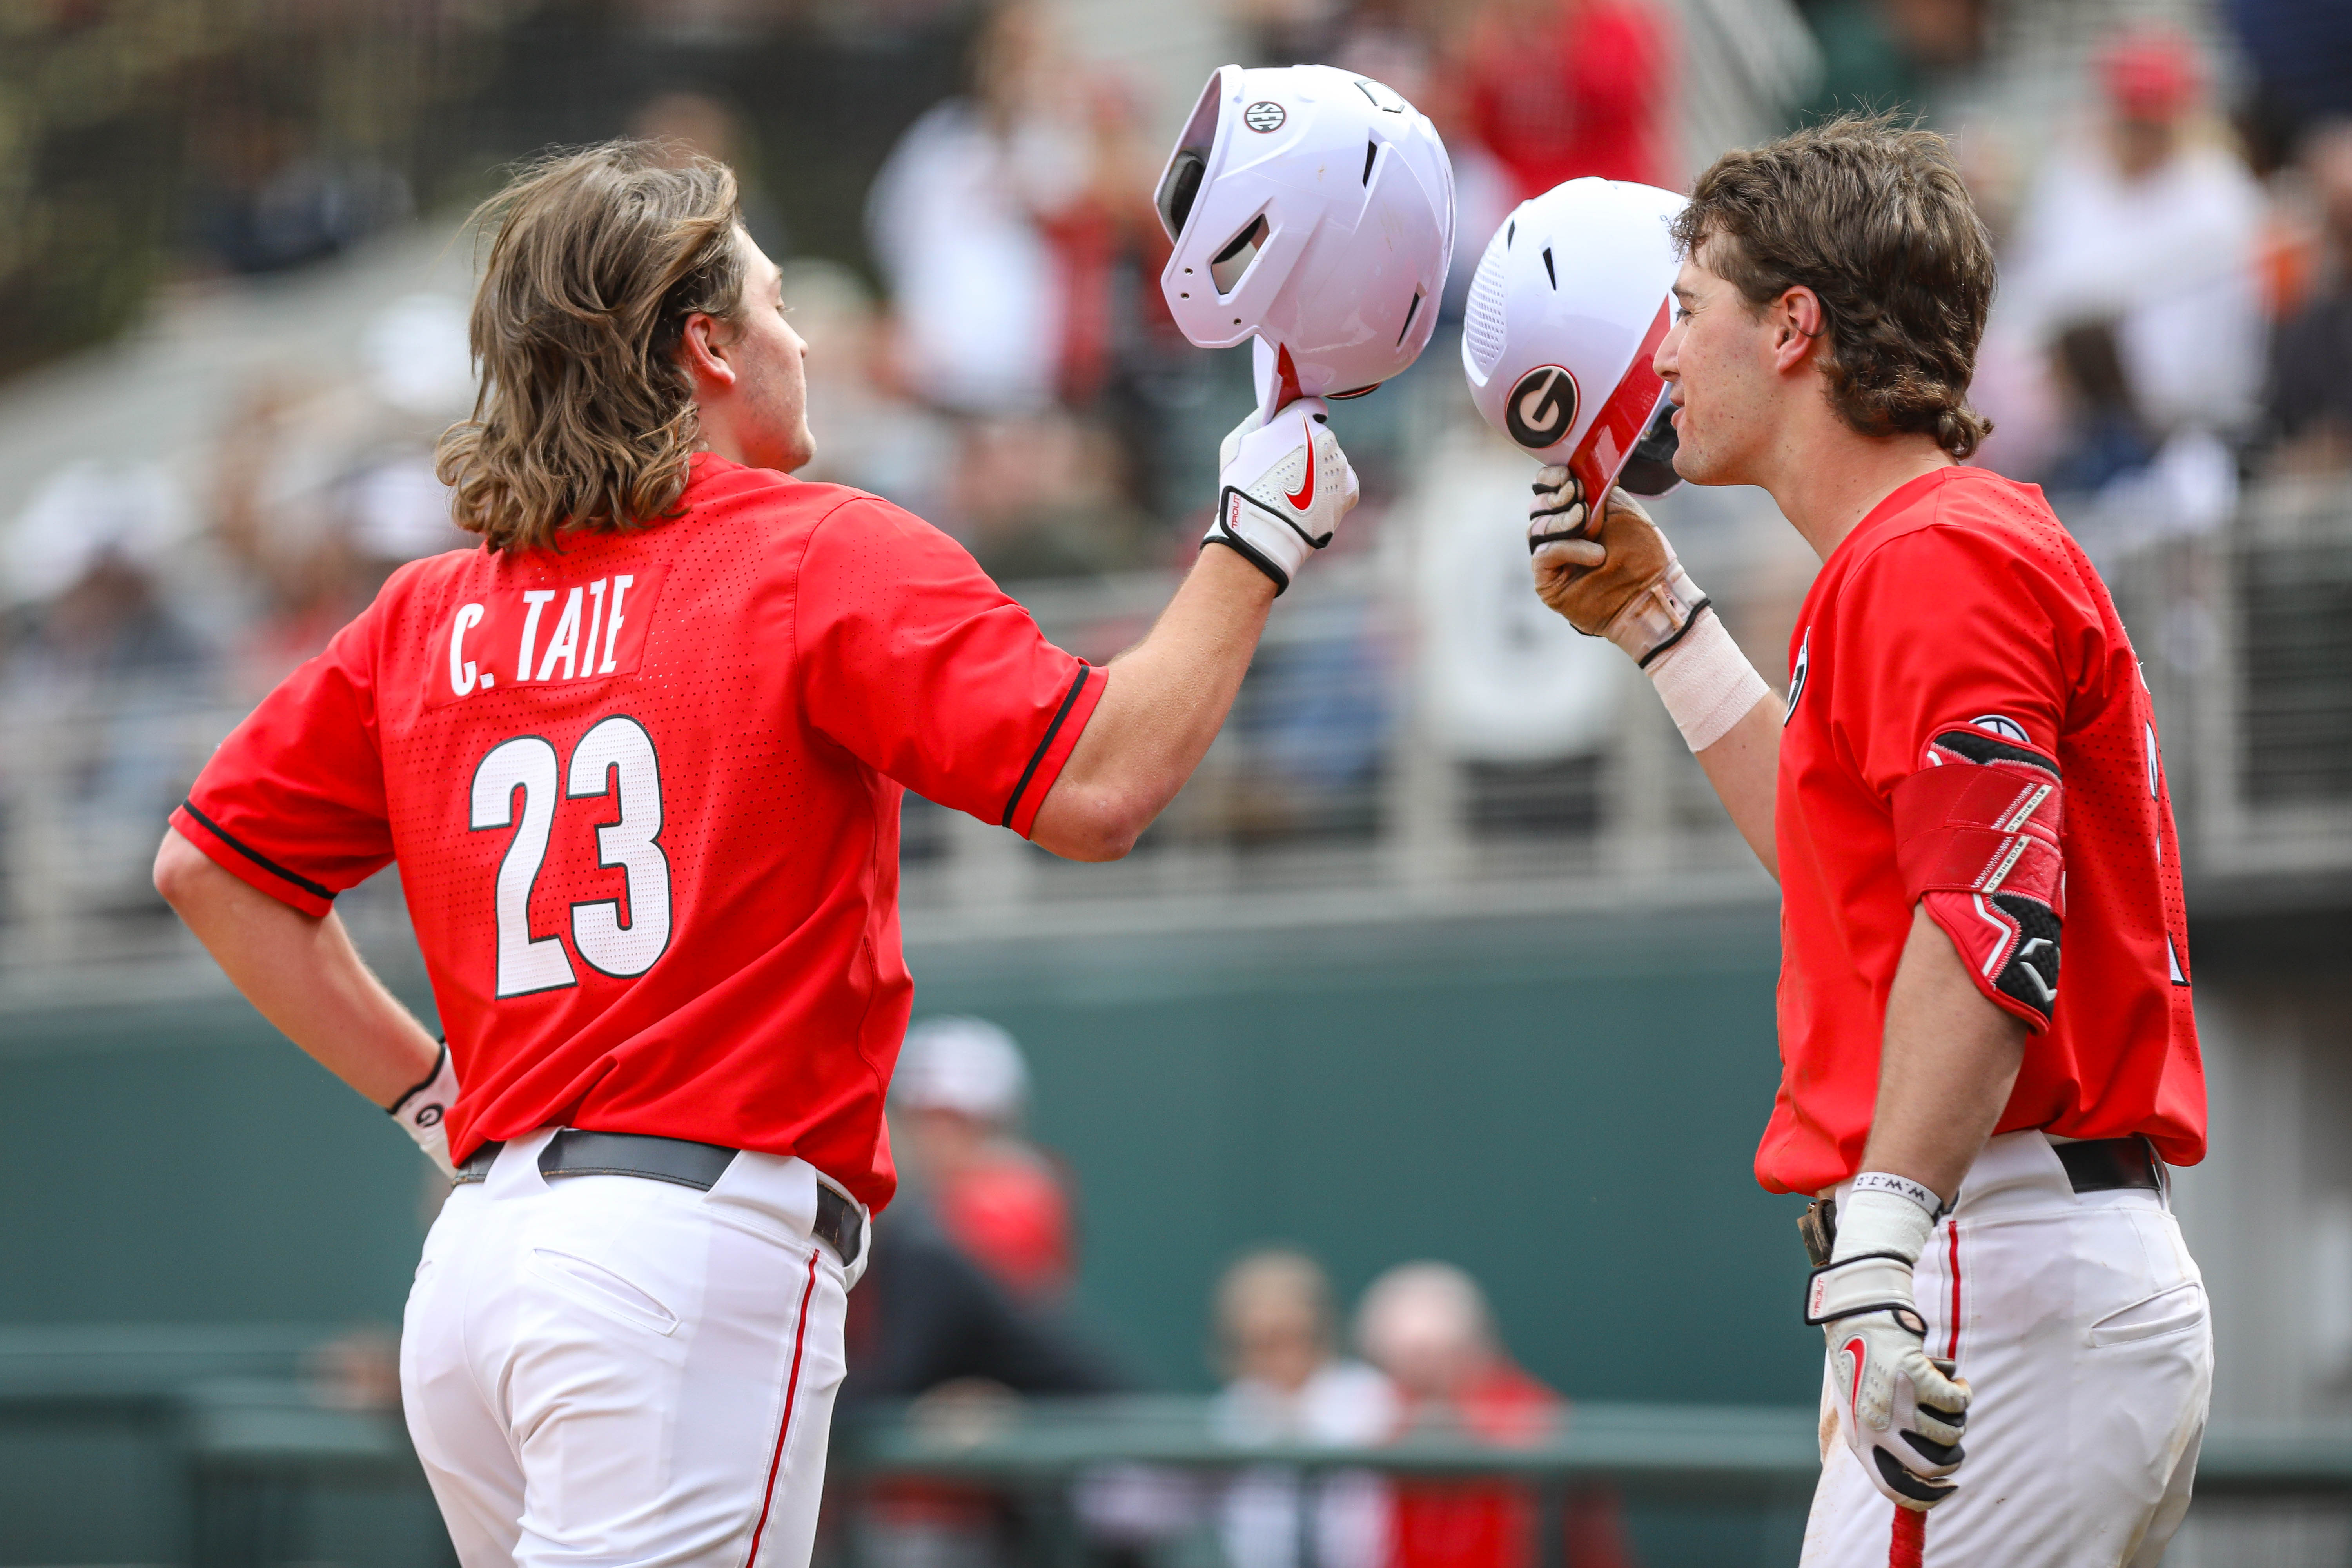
x=1566 y=310
x=1314 y=208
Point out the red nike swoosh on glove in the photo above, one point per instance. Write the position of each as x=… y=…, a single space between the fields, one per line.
x=1860 y=1351
x=1304 y=495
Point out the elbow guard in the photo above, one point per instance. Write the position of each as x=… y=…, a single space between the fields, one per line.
x=1976 y=836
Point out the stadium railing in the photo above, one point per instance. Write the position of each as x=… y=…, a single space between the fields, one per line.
x=249 y=1455
x=1339 y=783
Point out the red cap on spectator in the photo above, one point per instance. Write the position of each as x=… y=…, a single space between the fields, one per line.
x=2150 y=72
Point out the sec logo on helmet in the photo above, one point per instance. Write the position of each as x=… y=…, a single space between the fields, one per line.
x=1543 y=406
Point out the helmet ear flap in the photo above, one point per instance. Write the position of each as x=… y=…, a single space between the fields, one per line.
x=1650 y=470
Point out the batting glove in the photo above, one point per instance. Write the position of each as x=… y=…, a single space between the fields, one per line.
x=423 y=1111
x=1283 y=485
x=1620 y=581
x=1902 y=1413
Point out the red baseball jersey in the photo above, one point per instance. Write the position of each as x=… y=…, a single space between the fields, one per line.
x=1959 y=620
x=644 y=792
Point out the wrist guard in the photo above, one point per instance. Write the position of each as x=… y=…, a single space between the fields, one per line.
x=422 y=1112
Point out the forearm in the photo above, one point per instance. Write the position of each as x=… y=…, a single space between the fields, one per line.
x=1164 y=700
x=1945 y=1068
x=300 y=973
x=1744 y=766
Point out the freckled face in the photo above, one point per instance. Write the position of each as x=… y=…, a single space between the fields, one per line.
x=1717 y=362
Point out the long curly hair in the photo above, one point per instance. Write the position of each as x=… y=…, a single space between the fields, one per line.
x=585 y=419
x=1868 y=212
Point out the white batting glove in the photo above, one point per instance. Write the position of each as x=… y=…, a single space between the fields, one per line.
x=1902 y=1413
x=1283 y=485
x=424 y=1112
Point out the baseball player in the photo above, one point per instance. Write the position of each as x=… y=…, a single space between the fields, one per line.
x=1962 y=782
x=640 y=758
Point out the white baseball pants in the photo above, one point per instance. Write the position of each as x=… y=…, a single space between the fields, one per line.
x=608 y=1370
x=2080 y=1322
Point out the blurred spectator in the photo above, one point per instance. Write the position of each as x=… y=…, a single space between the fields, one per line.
x=959 y=1309
x=961 y=1089
x=1037 y=495
x=955 y=222
x=1560 y=88
x=1889 y=55
x=1427 y=1326
x=265 y=198
x=2155 y=230
x=1285 y=1384
x=2309 y=401
x=2301 y=51
x=2105 y=436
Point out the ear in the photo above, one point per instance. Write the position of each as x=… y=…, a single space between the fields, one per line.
x=1797 y=322
x=702 y=348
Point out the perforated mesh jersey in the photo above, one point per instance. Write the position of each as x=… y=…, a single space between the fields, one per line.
x=644 y=792
x=1961 y=606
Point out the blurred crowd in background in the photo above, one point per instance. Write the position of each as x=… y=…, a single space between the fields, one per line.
x=988 y=343
x=960 y=192
x=966 y=1309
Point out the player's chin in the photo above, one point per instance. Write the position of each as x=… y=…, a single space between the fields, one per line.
x=802 y=453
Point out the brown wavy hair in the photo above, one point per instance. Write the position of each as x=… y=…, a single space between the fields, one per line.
x=1868 y=212
x=584 y=418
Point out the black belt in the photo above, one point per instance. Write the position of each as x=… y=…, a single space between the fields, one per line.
x=576 y=1151
x=2104 y=1164
x=2092 y=1166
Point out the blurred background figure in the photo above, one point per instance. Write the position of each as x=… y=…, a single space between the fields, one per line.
x=960 y=1090
x=1428 y=1327
x=958 y=219
x=1285 y=1382
x=1561 y=88
x=2308 y=401
x=2145 y=219
x=960 y=1310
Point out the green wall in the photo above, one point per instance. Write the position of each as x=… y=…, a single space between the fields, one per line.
x=1566 y=1108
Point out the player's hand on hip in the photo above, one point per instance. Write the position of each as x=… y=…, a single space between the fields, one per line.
x=424 y=1112
x=1901 y=1412
x=1283 y=486
x=1616 y=577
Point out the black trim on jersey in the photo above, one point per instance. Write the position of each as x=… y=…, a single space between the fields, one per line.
x=1069 y=700
x=264 y=861
x=1979 y=747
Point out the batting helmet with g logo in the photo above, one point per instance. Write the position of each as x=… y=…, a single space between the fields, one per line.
x=1566 y=310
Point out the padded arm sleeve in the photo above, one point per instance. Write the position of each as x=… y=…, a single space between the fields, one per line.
x=1977 y=839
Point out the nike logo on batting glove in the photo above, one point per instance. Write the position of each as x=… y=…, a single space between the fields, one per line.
x=1272 y=521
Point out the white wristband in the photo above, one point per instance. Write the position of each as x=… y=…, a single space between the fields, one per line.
x=1875 y=1220
x=1706 y=683
x=422 y=1112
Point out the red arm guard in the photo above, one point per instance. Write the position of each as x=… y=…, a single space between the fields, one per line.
x=1976 y=836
